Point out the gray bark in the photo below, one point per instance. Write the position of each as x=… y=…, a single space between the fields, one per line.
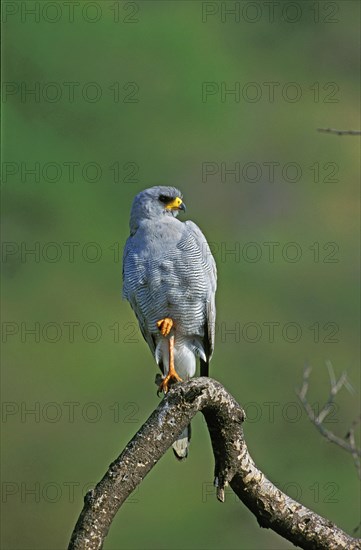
x=233 y=464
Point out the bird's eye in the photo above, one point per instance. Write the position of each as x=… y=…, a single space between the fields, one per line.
x=164 y=199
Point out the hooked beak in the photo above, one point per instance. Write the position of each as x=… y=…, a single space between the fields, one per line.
x=176 y=204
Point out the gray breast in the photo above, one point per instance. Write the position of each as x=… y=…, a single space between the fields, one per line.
x=166 y=275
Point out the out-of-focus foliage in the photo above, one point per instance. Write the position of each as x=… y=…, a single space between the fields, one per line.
x=92 y=389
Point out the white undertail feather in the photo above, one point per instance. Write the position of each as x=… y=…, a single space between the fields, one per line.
x=186 y=350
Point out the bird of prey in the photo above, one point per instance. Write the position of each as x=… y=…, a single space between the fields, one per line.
x=170 y=279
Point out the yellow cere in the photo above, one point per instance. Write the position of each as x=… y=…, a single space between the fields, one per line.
x=175 y=204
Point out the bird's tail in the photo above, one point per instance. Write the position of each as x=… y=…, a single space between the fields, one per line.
x=181 y=445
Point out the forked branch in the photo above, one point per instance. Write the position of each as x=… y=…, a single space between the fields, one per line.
x=347 y=443
x=233 y=465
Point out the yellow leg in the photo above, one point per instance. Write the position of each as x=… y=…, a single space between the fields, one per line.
x=172 y=374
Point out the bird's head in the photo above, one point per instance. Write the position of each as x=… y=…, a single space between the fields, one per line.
x=155 y=202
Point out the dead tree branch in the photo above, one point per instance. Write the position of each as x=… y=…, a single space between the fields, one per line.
x=348 y=443
x=233 y=464
x=340 y=132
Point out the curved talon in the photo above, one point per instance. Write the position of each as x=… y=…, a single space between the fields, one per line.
x=165 y=326
x=164 y=385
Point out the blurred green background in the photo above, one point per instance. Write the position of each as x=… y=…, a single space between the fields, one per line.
x=118 y=104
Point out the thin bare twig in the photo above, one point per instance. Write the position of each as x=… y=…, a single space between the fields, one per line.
x=355 y=452
x=347 y=443
x=340 y=132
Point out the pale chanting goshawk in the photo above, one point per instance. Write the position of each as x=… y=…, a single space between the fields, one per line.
x=170 y=279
